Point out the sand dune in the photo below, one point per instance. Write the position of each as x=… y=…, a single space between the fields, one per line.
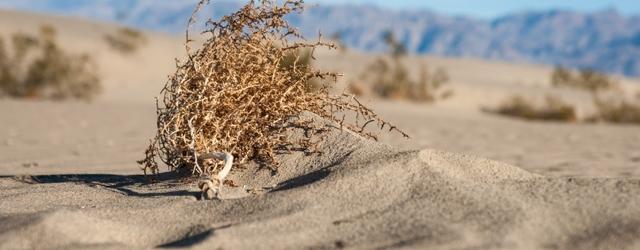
x=68 y=177
x=358 y=194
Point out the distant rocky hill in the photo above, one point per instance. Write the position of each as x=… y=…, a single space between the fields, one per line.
x=604 y=40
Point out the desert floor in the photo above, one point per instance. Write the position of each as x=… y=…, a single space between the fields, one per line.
x=69 y=178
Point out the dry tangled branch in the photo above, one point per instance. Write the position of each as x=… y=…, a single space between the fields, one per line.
x=233 y=95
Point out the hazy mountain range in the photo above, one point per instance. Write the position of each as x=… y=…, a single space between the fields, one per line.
x=605 y=40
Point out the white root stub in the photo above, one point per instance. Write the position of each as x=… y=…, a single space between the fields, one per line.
x=211 y=187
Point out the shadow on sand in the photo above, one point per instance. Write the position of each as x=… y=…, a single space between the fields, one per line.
x=131 y=185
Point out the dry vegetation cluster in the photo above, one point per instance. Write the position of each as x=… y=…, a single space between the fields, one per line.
x=554 y=109
x=610 y=101
x=389 y=78
x=586 y=79
x=244 y=91
x=126 y=40
x=36 y=67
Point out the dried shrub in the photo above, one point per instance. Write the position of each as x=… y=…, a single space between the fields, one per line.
x=39 y=68
x=302 y=59
x=7 y=76
x=126 y=40
x=398 y=50
x=357 y=88
x=561 y=77
x=616 y=109
x=234 y=95
x=585 y=79
x=430 y=85
x=338 y=38
x=391 y=79
x=554 y=109
x=616 y=112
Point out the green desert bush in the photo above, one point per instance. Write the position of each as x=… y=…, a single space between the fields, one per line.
x=554 y=109
x=389 y=78
x=586 y=79
x=38 y=68
x=126 y=40
x=236 y=95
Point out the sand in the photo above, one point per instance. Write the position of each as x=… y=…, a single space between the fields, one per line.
x=358 y=194
x=68 y=177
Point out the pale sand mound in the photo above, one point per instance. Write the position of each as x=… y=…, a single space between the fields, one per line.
x=357 y=194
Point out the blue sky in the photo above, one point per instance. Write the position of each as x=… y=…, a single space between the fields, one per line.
x=494 y=8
